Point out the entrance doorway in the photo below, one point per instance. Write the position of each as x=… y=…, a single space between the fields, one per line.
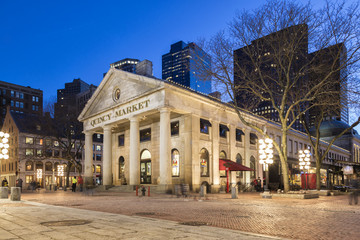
x=145 y=167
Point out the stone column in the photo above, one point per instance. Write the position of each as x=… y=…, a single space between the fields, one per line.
x=165 y=155
x=215 y=157
x=88 y=173
x=233 y=151
x=247 y=154
x=107 y=153
x=134 y=162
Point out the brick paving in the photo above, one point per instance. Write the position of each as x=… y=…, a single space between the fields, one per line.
x=328 y=217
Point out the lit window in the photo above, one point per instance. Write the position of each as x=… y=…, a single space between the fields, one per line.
x=29 y=152
x=175 y=128
x=29 y=140
x=175 y=163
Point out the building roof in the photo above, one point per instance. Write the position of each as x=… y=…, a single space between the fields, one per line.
x=29 y=123
x=332 y=128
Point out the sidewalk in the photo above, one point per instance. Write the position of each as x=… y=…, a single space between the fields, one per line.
x=31 y=220
x=324 y=218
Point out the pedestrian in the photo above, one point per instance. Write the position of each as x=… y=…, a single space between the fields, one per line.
x=4 y=182
x=355 y=191
x=259 y=184
x=74 y=181
x=19 y=183
x=81 y=182
x=254 y=183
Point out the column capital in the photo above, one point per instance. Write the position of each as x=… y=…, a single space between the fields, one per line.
x=134 y=119
x=164 y=109
x=107 y=127
x=87 y=133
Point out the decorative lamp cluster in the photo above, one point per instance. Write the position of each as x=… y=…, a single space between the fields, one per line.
x=266 y=151
x=60 y=170
x=39 y=173
x=4 y=138
x=304 y=159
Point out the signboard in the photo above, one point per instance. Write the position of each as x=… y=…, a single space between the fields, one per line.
x=348 y=170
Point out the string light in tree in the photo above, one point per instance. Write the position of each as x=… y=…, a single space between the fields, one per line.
x=266 y=151
x=4 y=139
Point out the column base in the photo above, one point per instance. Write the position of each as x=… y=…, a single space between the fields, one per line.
x=215 y=188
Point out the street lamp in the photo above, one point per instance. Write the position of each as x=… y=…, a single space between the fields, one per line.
x=266 y=157
x=304 y=163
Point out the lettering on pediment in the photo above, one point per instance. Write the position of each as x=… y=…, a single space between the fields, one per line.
x=120 y=112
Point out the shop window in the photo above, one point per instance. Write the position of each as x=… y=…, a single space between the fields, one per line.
x=29 y=178
x=223 y=129
x=239 y=133
x=239 y=161
x=48 y=166
x=121 y=167
x=175 y=163
x=222 y=155
x=253 y=138
x=204 y=163
x=29 y=166
x=145 y=135
x=252 y=166
x=29 y=140
x=29 y=152
x=98 y=169
x=121 y=140
x=204 y=126
x=175 y=128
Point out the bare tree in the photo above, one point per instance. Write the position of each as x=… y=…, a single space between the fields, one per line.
x=263 y=58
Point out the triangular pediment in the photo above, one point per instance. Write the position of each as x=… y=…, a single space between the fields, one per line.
x=118 y=87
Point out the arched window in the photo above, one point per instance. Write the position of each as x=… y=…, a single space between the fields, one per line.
x=29 y=166
x=175 y=163
x=48 y=166
x=121 y=167
x=39 y=165
x=145 y=155
x=252 y=166
x=239 y=161
x=204 y=163
x=222 y=155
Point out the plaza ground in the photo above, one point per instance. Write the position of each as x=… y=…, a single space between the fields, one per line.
x=328 y=217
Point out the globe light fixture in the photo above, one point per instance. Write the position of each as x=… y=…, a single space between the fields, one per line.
x=266 y=157
x=4 y=139
x=304 y=163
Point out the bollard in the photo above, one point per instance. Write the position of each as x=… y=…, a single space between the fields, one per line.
x=137 y=191
x=202 y=191
x=15 y=194
x=4 y=191
x=148 y=191
x=234 y=192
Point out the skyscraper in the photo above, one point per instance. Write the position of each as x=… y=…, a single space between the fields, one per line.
x=185 y=64
x=20 y=99
x=67 y=98
x=144 y=68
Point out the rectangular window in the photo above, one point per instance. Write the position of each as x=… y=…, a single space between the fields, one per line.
x=21 y=105
x=29 y=140
x=39 y=152
x=204 y=126
x=12 y=93
x=175 y=128
x=4 y=101
x=290 y=146
x=98 y=147
x=98 y=169
x=223 y=129
x=296 y=147
x=17 y=94
x=12 y=103
x=48 y=142
x=29 y=152
x=239 y=134
x=253 y=138
x=145 y=135
x=98 y=157
x=17 y=104
x=28 y=178
x=21 y=95
x=33 y=98
x=121 y=140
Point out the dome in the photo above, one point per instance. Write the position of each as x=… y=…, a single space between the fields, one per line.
x=332 y=128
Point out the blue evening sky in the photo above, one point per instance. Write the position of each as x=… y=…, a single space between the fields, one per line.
x=44 y=44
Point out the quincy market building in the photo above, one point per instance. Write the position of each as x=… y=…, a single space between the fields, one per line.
x=160 y=133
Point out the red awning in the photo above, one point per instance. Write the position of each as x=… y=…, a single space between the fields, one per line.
x=232 y=166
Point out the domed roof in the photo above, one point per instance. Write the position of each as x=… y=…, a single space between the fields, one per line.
x=332 y=128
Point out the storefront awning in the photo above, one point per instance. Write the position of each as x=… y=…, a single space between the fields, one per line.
x=232 y=166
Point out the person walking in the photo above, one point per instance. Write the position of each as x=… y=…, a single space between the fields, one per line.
x=4 y=182
x=80 y=182
x=74 y=181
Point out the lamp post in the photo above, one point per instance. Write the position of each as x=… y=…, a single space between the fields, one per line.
x=266 y=157
x=304 y=163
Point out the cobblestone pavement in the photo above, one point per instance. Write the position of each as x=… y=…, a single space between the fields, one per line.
x=328 y=217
